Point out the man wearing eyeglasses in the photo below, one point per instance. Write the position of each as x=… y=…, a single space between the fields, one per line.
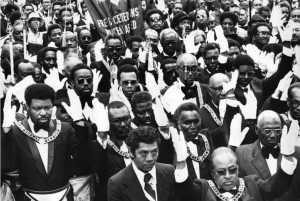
x=155 y=20
x=106 y=160
x=295 y=15
x=262 y=157
x=260 y=35
x=85 y=38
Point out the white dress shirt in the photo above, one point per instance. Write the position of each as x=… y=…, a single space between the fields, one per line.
x=140 y=175
x=194 y=150
x=272 y=162
x=249 y=109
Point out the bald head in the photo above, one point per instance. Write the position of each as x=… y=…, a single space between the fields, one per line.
x=218 y=78
x=186 y=58
x=222 y=154
x=267 y=116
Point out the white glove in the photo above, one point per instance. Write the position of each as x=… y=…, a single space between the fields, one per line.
x=277 y=18
x=159 y=113
x=8 y=111
x=60 y=84
x=128 y=53
x=249 y=110
x=179 y=144
x=272 y=64
x=161 y=82
x=253 y=52
x=189 y=43
x=286 y=33
x=236 y=135
x=100 y=116
x=152 y=85
x=273 y=39
x=75 y=109
x=284 y=95
x=232 y=84
x=283 y=83
x=96 y=80
x=113 y=90
x=263 y=62
x=52 y=78
x=173 y=98
x=288 y=139
x=221 y=39
x=19 y=89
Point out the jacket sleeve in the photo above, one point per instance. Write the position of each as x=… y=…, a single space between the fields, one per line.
x=188 y=190
x=113 y=192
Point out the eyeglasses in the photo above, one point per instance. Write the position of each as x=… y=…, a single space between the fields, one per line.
x=294 y=104
x=82 y=80
x=86 y=38
x=127 y=82
x=217 y=90
x=118 y=122
x=249 y=73
x=168 y=43
x=144 y=112
x=111 y=49
x=154 y=19
x=56 y=34
x=227 y=23
x=48 y=59
x=189 y=69
x=277 y=131
x=230 y=171
x=263 y=33
x=210 y=59
x=295 y=16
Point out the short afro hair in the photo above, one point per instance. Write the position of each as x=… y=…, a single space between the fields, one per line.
x=128 y=61
x=233 y=43
x=79 y=67
x=144 y=134
x=229 y=15
x=47 y=49
x=296 y=85
x=134 y=39
x=140 y=97
x=165 y=62
x=112 y=36
x=52 y=27
x=272 y=47
x=243 y=59
x=153 y=11
x=127 y=68
x=253 y=30
x=40 y=92
x=184 y=107
x=210 y=46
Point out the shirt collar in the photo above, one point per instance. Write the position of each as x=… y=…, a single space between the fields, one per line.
x=140 y=175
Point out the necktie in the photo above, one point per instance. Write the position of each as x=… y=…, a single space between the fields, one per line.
x=245 y=90
x=232 y=191
x=267 y=151
x=148 y=187
x=37 y=128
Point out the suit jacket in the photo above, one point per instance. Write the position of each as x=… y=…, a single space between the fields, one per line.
x=125 y=186
x=251 y=161
x=255 y=188
x=203 y=76
x=159 y=58
x=71 y=141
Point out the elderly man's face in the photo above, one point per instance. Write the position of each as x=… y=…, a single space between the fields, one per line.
x=243 y=17
x=227 y=24
x=293 y=104
x=257 y=4
x=120 y=122
x=71 y=41
x=201 y=18
x=189 y=122
x=216 y=88
x=187 y=69
x=201 y=4
x=296 y=32
x=49 y=60
x=225 y=171
x=184 y=25
x=152 y=37
x=269 y=131
x=295 y=15
x=18 y=32
x=263 y=35
x=156 y=22
x=169 y=43
x=85 y=38
x=55 y=35
x=210 y=60
x=244 y=3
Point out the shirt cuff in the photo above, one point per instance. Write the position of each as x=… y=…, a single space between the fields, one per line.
x=181 y=175
x=287 y=166
x=287 y=51
x=164 y=134
x=231 y=102
x=103 y=143
x=222 y=59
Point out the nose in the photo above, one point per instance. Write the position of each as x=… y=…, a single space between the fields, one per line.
x=246 y=75
x=227 y=175
x=129 y=84
x=149 y=157
x=43 y=112
x=21 y=33
x=147 y=114
x=51 y=62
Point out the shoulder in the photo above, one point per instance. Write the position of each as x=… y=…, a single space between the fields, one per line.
x=118 y=178
x=168 y=167
x=244 y=150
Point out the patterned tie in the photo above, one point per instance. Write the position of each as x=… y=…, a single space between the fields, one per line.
x=148 y=187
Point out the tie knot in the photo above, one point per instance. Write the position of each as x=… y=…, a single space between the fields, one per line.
x=245 y=90
x=147 y=178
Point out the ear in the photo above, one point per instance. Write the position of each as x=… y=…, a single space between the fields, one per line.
x=256 y=130
x=288 y=102
x=72 y=83
x=209 y=91
x=176 y=28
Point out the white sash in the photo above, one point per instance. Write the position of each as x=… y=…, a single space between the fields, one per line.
x=83 y=187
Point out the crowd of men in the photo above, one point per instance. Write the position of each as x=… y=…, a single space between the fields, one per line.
x=203 y=105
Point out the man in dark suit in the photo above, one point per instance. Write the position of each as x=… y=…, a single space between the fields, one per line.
x=263 y=157
x=105 y=160
x=108 y=66
x=44 y=145
x=144 y=179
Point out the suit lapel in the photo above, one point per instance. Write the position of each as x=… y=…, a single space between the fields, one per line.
x=239 y=94
x=259 y=162
x=134 y=190
x=163 y=183
x=117 y=158
x=51 y=130
x=256 y=90
x=35 y=152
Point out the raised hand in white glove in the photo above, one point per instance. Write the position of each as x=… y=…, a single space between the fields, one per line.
x=179 y=144
x=75 y=109
x=87 y=111
x=272 y=64
x=19 y=89
x=253 y=52
x=286 y=81
x=288 y=140
x=232 y=84
x=8 y=111
x=273 y=39
x=59 y=85
x=100 y=116
x=236 y=134
x=249 y=110
x=221 y=39
x=52 y=78
x=189 y=43
x=96 y=80
x=277 y=18
x=152 y=86
x=286 y=33
x=159 y=113
x=263 y=62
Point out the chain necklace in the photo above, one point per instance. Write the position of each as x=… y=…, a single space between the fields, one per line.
x=205 y=154
x=40 y=140
x=200 y=96
x=222 y=197
x=122 y=153
x=111 y=68
x=213 y=115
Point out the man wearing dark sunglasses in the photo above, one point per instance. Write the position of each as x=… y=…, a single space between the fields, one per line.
x=155 y=20
x=85 y=38
x=262 y=157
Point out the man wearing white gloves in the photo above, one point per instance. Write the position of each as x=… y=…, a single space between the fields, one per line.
x=225 y=183
x=44 y=145
x=262 y=157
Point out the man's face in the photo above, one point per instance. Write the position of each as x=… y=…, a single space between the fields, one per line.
x=68 y=23
x=35 y=23
x=233 y=52
x=295 y=15
x=144 y=5
x=49 y=60
x=129 y=83
x=296 y=32
x=20 y=48
x=28 y=10
x=92 y=53
x=155 y=22
x=246 y=73
x=177 y=8
x=62 y=114
x=56 y=10
x=120 y=121
x=135 y=46
x=55 y=35
x=37 y=75
x=152 y=36
x=169 y=44
x=201 y=18
x=83 y=83
x=66 y=13
x=46 y=5
x=84 y=8
x=263 y=36
x=244 y=3
x=211 y=60
x=24 y=70
x=257 y=4
x=36 y=2
x=235 y=10
x=295 y=4
x=201 y=4
x=293 y=104
x=170 y=3
x=85 y=38
x=143 y=113
x=184 y=25
x=243 y=17
x=114 y=49
x=71 y=41
x=215 y=90
x=191 y=66
x=225 y=171
x=40 y=112
x=18 y=33
x=285 y=11
x=266 y=15
x=227 y=24
x=170 y=76
x=225 y=3
x=189 y=122
x=262 y=130
x=145 y=156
